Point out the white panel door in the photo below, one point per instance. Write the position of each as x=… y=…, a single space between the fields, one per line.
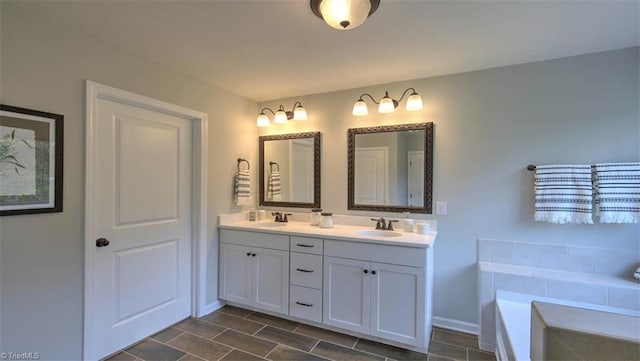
x=371 y=176
x=142 y=208
x=271 y=280
x=346 y=300
x=236 y=273
x=398 y=303
x=415 y=178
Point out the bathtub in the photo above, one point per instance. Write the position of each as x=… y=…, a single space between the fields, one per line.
x=513 y=322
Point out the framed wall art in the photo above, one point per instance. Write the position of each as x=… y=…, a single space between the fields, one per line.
x=31 y=151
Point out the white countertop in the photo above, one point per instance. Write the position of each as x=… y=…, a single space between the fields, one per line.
x=341 y=232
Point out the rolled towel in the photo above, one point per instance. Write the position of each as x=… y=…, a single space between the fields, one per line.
x=618 y=192
x=563 y=193
x=242 y=191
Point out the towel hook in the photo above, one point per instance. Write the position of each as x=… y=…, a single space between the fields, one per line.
x=240 y=160
x=271 y=164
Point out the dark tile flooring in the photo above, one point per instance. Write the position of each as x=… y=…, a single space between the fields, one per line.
x=236 y=334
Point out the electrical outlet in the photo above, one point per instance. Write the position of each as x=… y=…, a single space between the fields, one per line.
x=441 y=208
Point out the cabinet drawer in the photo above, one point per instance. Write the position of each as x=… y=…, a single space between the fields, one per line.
x=306 y=270
x=306 y=303
x=400 y=255
x=255 y=239
x=306 y=245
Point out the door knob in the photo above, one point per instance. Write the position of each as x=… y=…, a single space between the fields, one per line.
x=102 y=242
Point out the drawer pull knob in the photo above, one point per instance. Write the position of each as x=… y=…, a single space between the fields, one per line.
x=248 y=253
x=304 y=245
x=253 y=255
x=373 y=272
x=304 y=304
x=365 y=271
x=304 y=270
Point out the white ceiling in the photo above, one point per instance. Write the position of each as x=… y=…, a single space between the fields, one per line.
x=267 y=50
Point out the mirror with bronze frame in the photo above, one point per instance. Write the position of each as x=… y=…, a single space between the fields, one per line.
x=290 y=170
x=390 y=168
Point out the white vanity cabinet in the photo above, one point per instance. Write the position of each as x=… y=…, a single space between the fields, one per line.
x=382 y=290
x=378 y=290
x=254 y=270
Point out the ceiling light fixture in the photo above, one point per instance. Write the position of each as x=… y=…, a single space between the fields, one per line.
x=387 y=104
x=344 y=14
x=281 y=115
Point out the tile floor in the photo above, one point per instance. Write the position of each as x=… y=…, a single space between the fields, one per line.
x=236 y=334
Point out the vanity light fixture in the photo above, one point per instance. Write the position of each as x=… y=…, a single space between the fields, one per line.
x=281 y=115
x=344 y=14
x=387 y=104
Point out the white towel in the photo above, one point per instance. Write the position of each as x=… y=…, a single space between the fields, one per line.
x=563 y=193
x=242 y=191
x=273 y=187
x=618 y=192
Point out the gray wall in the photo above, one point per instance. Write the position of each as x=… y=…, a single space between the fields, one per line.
x=489 y=125
x=43 y=67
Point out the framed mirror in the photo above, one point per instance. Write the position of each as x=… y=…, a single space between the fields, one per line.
x=391 y=168
x=290 y=170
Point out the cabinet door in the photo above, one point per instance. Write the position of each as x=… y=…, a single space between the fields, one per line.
x=235 y=273
x=398 y=303
x=271 y=275
x=346 y=294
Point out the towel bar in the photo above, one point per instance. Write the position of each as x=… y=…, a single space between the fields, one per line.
x=532 y=167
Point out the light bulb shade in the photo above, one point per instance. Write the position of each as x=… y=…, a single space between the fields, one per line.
x=414 y=102
x=386 y=105
x=263 y=120
x=360 y=108
x=345 y=14
x=280 y=117
x=299 y=113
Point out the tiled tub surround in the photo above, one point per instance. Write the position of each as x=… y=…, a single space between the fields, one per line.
x=582 y=274
x=569 y=333
x=513 y=321
x=373 y=287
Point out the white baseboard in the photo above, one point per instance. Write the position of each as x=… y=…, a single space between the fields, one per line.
x=213 y=306
x=456 y=325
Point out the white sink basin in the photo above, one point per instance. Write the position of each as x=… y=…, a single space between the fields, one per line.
x=271 y=224
x=379 y=233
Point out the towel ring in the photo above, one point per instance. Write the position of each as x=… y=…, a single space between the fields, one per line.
x=271 y=164
x=240 y=160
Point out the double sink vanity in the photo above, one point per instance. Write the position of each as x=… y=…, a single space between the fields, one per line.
x=350 y=278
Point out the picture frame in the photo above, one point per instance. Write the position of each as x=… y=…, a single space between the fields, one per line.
x=31 y=161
